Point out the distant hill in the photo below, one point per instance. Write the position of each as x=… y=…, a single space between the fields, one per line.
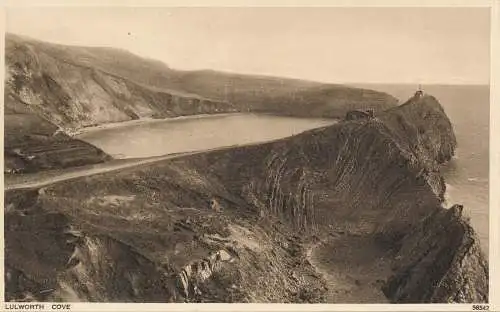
x=80 y=86
x=52 y=86
x=283 y=96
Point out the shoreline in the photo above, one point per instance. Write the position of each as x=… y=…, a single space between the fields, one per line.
x=122 y=124
x=146 y=120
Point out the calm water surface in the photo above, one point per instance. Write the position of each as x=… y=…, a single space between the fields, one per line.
x=178 y=135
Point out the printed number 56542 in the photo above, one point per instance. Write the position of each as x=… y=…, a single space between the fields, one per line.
x=480 y=307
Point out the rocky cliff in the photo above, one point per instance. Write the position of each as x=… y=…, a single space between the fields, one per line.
x=440 y=262
x=236 y=225
x=74 y=94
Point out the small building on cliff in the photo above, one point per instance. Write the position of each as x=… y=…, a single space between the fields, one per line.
x=419 y=93
x=360 y=114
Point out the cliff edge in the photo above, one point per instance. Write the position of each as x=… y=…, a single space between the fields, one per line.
x=440 y=262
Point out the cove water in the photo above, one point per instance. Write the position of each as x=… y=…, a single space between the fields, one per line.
x=178 y=135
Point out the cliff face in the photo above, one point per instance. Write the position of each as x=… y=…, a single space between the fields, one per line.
x=75 y=87
x=356 y=170
x=440 y=261
x=73 y=94
x=373 y=179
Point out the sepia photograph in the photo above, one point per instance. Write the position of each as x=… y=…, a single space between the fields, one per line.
x=300 y=155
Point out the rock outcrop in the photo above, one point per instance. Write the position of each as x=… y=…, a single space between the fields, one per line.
x=441 y=261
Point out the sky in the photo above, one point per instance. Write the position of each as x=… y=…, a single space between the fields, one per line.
x=331 y=44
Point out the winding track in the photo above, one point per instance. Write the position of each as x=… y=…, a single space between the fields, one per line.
x=38 y=180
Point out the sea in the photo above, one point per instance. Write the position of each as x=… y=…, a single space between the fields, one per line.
x=467 y=174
